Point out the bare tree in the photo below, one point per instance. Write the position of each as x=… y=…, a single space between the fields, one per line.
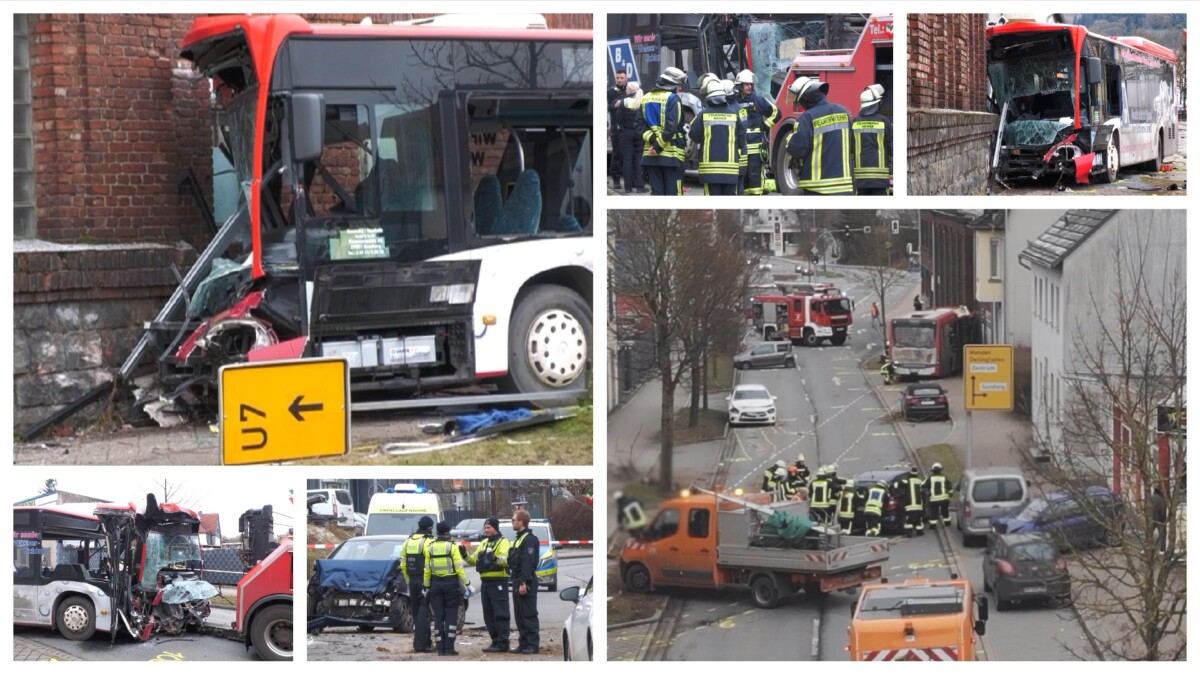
x=663 y=260
x=1121 y=395
x=885 y=266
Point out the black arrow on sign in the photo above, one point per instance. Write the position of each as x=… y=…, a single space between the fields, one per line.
x=295 y=408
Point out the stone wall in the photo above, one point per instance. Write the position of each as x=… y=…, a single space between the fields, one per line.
x=949 y=151
x=78 y=311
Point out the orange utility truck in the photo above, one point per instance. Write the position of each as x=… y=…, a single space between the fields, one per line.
x=705 y=539
x=917 y=620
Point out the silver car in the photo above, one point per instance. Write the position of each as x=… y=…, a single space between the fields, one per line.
x=986 y=493
x=766 y=355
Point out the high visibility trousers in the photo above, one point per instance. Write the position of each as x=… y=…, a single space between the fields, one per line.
x=914 y=519
x=847 y=524
x=720 y=188
x=939 y=510
x=873 y=523
x=422 y=619
x=525 y=611
x=754 y=174
x=445 y=593
x=662 y=180
x=494 y=595
x=631 y=145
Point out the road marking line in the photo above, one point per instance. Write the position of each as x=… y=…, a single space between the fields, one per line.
x=816 y=637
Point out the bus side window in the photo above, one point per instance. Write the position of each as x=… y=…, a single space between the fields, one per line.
x=1112 y=86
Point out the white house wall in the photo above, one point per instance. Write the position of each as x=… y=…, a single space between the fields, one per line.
x=1020 y=228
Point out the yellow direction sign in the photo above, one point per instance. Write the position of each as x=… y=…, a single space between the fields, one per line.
x=988 y=377
x=280 y=410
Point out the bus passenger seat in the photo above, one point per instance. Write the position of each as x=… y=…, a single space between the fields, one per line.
x=523 y=210
x=487 y=203
x=568 y=223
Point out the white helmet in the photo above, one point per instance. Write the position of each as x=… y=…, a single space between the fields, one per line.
x=729 y=87
x=937 y=466
x=781 y=464
x=713 y=88
x=745 y=77
x=870 y=96
x=804 y=86
x=781 y=473
x=706 y=78
x=673 y=76
x=800 y=458
x=618 y=494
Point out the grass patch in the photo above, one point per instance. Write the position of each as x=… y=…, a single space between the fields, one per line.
x=945 y=453
x=711 y=427
x=564 y=443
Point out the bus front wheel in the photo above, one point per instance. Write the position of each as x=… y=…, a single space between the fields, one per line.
x=76 y=618
x=1112 y=160
x=549 y=344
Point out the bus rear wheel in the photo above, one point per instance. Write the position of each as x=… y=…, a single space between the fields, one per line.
x=549 y=343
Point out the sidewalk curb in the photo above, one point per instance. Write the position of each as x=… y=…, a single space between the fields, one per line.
x=634 y=624
x=942 y=533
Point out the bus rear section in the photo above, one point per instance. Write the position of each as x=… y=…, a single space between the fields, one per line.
x=930 y=343
x=1079 y=105
x=917 y=620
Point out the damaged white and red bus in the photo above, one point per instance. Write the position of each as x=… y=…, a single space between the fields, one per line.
x=112 y=568
x=1078 y=104
x=415 y=198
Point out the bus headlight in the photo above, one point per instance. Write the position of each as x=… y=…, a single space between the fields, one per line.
x=454 y=294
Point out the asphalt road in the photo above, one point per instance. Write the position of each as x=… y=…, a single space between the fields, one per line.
x=828 y=412
x=188 y=647
x=335 y=644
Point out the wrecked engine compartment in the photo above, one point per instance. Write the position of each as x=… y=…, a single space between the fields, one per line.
x=155 y=561
x=368 y=593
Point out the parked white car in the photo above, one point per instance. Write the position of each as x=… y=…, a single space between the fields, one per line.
x=577 y=629
x=751 y=403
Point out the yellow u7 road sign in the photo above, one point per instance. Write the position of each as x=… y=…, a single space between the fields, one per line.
x=279 y=410
x=988 y=377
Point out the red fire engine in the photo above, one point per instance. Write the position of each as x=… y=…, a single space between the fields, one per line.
x=930 y=343
x=848 y=72
x=806 y=319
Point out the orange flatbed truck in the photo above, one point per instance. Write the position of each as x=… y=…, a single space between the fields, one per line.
x=917 y=620
x=704 y=539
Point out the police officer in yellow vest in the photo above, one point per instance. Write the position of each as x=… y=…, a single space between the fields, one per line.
x=914 y=503
x=821 y=141
x=662 y=121
x=445 y=579
x=721 y=137
x=873 y=508
x=490 y=559
x=412 y=568
x=872 y=145
x=761 y=115
x=938 y=491
x=846 y=507
x=820 y=497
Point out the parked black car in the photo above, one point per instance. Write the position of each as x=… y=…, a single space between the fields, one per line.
x=893 y=505
x=470 y=529
x=1019 y=567
x=924 y=400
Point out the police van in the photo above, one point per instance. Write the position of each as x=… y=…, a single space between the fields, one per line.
x=398 y=510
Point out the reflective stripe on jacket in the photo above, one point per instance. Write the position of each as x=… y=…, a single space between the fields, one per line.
x=872 y=150
x=874 y=504
x=443 y=560
x=938 y=491
x=822 y=144
x=721 y=137
x=662 y=115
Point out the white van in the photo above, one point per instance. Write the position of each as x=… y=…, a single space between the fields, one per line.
x=338 y=505
x=399 y=509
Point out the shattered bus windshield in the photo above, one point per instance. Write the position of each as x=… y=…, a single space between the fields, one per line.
x=914 y=336
x=167 y=550
x=1040 y=92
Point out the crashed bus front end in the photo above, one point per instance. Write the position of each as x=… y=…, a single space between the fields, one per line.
x=156 y=584
x=1034 y=76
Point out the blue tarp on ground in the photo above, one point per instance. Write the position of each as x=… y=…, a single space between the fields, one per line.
x=469 y=424
x=355 y=575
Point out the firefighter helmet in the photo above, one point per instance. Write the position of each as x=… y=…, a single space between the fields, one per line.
x=618 y=494
x=937 y=467
x=672 y=76
x=870 y=96
x=912 y=470
x=745 y=77
x=780 y=464
x=780 y=473
x=800 y=458
x=706 y=78
x=805 y=87
x=713 y=88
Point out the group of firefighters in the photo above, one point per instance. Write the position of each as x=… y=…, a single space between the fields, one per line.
x=836 y=155
x=832 y=499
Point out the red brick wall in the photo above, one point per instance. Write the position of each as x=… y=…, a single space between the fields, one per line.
x=947 y=65
x=115 y=122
